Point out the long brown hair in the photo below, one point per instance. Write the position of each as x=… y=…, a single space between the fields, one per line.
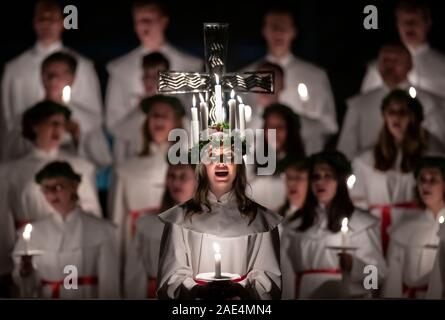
x=200 y=204
x=414 y=143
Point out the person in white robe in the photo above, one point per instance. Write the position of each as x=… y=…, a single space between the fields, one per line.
x=125 y=88
x=141 y=267
x=288 y=147
x=297 y=185
x=69 y=254
x=363 y=121
x=328 y=261
x=44 y=126
x=220 y=222
x=413 y=19
x=436 y=285
x=414 y=241
x=384 y=175
x=21 y=81
x=85 y=135
x=306 y=87
x=127 y=142
x=138 y=184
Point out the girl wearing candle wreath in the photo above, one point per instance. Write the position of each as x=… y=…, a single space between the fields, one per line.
x=321 y=271
x=220 y=216
x=414 y=241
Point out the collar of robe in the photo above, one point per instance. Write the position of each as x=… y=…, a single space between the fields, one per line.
x=46 y=51
x=419 y=50
x=224 y=220
x=69 y=218
x=282 y=62
x=45 y=155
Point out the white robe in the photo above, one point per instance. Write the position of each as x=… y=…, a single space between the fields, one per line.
x=248 y=250
x=320 y=108
x=411 y=255
x=125 y=86
x=22 y=84
x=436 y=286
x=27 y=202
x=7 y=231
x=137 y=186
x=141 y=267
x=427 y=73
x=268 y=191
x=317 y=267
x=81 y=240
x=364 y=120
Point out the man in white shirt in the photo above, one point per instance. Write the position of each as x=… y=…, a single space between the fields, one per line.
x=125 y=87
x=21 y=81
x=413 y=19
x=363 y=120
x=279 y=31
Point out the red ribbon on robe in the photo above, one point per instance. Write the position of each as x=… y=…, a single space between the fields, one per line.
x=411 y=292
x=151 y=288
x=300 y=275
x=385 y=217
x=55 y=285
x=136 y=214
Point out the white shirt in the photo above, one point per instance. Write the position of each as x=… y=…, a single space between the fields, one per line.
x=125 y=86
x=80 y=240
x=187 y=249
x=427 y=73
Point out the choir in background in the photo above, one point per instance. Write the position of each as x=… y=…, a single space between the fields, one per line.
x=386 y=176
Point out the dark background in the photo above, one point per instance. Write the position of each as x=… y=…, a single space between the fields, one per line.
x=331 y=32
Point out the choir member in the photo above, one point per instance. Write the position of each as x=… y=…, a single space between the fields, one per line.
x=414 y=241
x=316 y=102
x=127 y=141
x=363 y=120
x=384 y=173
x=125 y=87
x=21 y=82
x=44 y=125
x=139 y=182
x=141 y=267
x=220 y=228
x=85 y=135
x=413 y=20
x=78 y=255
x=321 y=271
x=288 y=147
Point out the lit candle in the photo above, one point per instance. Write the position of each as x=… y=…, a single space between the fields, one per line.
x=195 y=123
x=232 y=111
x=217 y=260
x=248 y=112
x=351 y=181
x=66 y=95
x=441 y=219
x=242 y=117
x=27 y=237
x=412 y=92
x=218 y=100
x=204 y=112
x=344 y=231
x=303 y=92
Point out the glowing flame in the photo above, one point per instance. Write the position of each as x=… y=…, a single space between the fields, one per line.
x=240 y=100
x=201 y=97
x=248 y=112
x=194 y=101
x=216 y=247
x=216 y=79
x=232 y=94
x=352 y=179
x=412 y=92
x=441 y=219
x=66 y=94
x=303 y=92
x=27 y=232
x=344 y=225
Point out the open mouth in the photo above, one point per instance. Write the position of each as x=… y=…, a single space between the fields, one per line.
x=221 y=174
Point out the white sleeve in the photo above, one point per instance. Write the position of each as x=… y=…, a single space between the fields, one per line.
x=393 y=286
x=116 y=107
x=372 y=78
x=135 y=278
x=6 y=118
x=93 y=145
x=89 y=199
x=347 y=142
x=436 y=283
x=329 y=115
x=88 y=84
x=117 y=207
x=109 y=266
x=287 y=271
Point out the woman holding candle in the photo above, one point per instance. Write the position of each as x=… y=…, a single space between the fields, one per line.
x=317 y=226
x=245 y=233
x=141 y=268
x=385 y=183
x=414 y=241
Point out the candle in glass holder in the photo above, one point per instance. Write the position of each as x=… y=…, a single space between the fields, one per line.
x=217 y=260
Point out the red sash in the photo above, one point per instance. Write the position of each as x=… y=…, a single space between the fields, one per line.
x=136 y=214
x=204 y=282
x=151 y=288
x=300 y=275
x=385 y=216
x=55 y=285
x=410 y=292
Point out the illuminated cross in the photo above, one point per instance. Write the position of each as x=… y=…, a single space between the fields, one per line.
x=215 y=43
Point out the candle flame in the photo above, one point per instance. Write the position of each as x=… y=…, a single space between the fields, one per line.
x=27 y=232
x=344 y=225
x=232 y=94
x=194 y=101
x=239 y=99
x=66 y=94
x=216 y=79
x=441 y=219
x=352 y=179
x=201 y=97
x=412 y=92
x=216 y=247
x=303 y=92
x=248 y=112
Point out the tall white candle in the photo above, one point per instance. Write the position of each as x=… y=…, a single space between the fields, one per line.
x=218 y=100
x=195 y=123
x=204 y=113
x=27 y=237
x=242 y=117
x=66 y=95
x=217 y=260
x=344 y=231
x=232 y=111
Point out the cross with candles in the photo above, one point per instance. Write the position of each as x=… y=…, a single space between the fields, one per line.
x=215 y=81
